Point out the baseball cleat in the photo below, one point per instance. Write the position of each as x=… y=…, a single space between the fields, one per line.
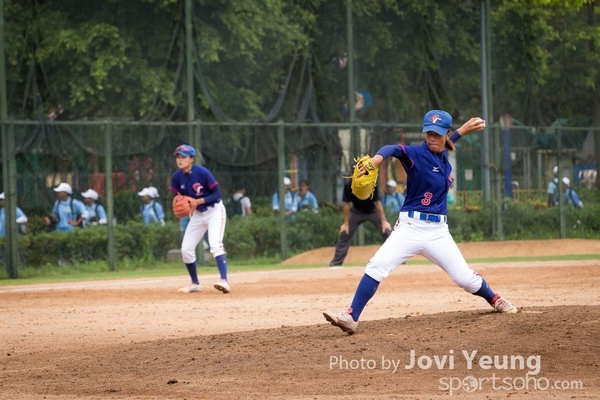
x=223 y=286
x=342 y=320
x=504 y=306
x=191 y=289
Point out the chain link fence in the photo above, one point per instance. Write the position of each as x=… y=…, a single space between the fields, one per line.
x=140 y=155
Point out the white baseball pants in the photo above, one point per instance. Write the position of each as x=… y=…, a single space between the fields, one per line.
x=431 y=240
x=213 y=220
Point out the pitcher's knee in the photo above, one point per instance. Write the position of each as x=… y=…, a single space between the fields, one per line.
x=188 y=255
x=377 y=271
x=216 y=252
x=469 y=283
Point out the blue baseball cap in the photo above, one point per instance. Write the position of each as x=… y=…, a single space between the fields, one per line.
x=437 y=121
x=185 y=150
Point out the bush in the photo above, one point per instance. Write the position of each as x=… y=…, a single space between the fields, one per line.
x=238 y=239
x=259 y=236
x=133 y=241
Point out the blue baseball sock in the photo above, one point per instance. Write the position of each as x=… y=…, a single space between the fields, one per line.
x=365 y=290
x=222 y=265
x=192 y=269
x=485 y=291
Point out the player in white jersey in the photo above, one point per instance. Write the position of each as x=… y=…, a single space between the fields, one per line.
x=421 y=228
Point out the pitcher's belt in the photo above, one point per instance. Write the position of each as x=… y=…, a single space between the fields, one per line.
x=424 y=217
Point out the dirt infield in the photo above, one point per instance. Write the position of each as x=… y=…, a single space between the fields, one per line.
x=141 y=339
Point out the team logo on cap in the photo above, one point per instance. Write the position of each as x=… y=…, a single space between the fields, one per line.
x=435 y=118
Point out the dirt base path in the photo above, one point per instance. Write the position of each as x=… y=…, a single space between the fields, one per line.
x=141 y=339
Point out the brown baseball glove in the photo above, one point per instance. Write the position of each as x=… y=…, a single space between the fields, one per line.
x=363 y=186
x=183 y=206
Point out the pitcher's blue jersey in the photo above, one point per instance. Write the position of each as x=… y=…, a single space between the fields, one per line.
x=198 y=183
x=429 y=176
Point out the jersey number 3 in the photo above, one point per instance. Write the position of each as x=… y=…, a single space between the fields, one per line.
x=427 y=199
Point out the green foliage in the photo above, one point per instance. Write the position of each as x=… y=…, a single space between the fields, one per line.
x=105 y=59
x=312 y=231
x=265 y=232
x=238 y=240
x=125 y=59
x=258 y=237
x=262 y=206
x=134 y=241
x=129 y=206
x=467 y=226
x=521 y=221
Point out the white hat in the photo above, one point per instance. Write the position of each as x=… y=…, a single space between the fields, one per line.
x=392 y=183
x=555 y=170
x=145 y=192
x=90 y=194
x=566 y=181
x=2 y=196
x=153 y=192
x=287 y=181
x=64 y=187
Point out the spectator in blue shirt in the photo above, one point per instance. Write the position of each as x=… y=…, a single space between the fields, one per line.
x=152 y=211
x=67 y=213
x=306 y=199
x=21 y=217
x=392 y=201
x=570 y=196
x=96 y=212
x=553 y=192
x=291 y=203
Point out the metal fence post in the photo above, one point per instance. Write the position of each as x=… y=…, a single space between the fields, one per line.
x=110 y=244
x=10 y=189
x=561 y=208
x=486 y=96
x=281 y=191
x=8 y=166
x=498 y=181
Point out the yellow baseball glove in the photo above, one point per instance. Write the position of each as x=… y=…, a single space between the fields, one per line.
x=363 y=186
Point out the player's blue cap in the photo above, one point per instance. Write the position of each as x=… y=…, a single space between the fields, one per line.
x=186 y=150
x=437 y=121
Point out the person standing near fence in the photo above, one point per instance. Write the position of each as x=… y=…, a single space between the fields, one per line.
x=570 y=196
x=422 y=228
x=151 y=210
x=305 y=199
x=21 y=218
x=290 y=201
x=239 y=204
x=96 y=214
x=392 y=200
x=198 y=182
x=67 y=212
x=553 y=191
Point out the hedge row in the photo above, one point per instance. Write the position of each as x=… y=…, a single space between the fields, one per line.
x=259 y=236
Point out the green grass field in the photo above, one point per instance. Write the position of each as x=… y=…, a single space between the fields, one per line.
x=133 y=270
